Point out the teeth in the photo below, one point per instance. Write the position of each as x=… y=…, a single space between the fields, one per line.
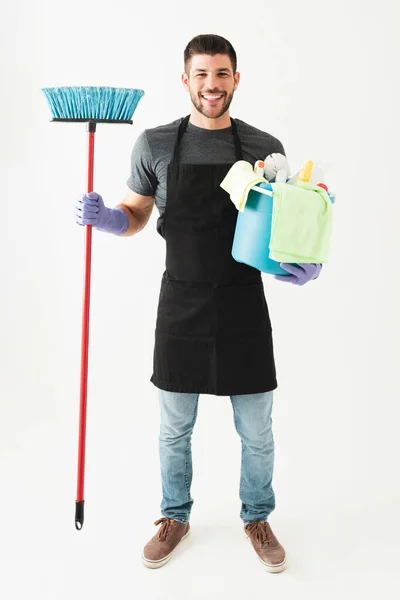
x=209 y=97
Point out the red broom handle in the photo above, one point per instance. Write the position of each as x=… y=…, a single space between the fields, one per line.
x=79 y=515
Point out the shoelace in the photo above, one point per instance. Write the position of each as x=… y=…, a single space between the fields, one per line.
x=165 y=529
x=261 y=531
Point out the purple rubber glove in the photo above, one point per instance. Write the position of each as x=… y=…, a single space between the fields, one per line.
x=90 y=210
x=301 y=273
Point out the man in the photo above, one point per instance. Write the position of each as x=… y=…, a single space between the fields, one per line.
x=213 y=332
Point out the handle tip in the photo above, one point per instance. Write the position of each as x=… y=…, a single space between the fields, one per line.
x=79 y=514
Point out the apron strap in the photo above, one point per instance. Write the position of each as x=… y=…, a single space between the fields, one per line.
x=182 y=128
x=238 y=144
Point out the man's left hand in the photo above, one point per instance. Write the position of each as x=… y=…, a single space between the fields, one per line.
x=300 y=273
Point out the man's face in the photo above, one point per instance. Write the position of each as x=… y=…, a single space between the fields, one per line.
x=211 y=84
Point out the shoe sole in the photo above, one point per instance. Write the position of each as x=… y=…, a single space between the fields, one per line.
x=156 y=564
x=270 y=568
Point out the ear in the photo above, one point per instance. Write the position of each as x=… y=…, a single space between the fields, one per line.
x=185 y=81
x=236 y=78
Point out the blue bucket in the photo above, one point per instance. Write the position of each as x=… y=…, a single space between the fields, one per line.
x=253 y=232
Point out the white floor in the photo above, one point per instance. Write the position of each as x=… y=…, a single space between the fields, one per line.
x=347 y=555
x=337 y=509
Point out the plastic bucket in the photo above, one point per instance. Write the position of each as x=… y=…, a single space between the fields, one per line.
x=253 y=232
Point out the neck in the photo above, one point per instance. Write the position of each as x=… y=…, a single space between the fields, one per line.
x=199 y=120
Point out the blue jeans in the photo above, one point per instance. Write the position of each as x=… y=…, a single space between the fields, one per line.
x=253 y=422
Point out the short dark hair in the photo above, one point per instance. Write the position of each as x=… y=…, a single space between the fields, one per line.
x=209 y=44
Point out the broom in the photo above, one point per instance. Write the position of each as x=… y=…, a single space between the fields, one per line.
x=91 y=105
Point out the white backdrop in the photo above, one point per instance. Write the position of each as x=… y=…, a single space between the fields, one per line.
x=321 y=77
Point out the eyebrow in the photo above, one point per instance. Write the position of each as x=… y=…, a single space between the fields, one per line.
x=224 y=69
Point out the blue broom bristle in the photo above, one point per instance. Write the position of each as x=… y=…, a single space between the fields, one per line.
x=114 y=104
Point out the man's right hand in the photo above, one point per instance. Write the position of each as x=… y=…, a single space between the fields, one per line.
x=90 y=210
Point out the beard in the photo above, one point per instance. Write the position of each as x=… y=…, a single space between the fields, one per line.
x=211 y=113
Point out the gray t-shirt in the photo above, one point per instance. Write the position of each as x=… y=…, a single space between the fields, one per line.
x=153 y=151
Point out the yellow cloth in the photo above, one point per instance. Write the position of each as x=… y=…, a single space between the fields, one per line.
x=238 y=182
x=301 y=223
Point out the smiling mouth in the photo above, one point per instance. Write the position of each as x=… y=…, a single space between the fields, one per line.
x=212 y=97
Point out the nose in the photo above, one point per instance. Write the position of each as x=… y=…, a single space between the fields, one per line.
x=212 y=81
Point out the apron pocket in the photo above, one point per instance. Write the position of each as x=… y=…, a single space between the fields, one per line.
x=185 y=309
x=242 y=309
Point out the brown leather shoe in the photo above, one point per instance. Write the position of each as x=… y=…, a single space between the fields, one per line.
x=269 y=551
x=159 y=549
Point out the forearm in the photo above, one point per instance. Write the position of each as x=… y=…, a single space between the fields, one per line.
x=137 y=218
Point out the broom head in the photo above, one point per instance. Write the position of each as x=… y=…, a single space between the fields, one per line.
x=96 y=104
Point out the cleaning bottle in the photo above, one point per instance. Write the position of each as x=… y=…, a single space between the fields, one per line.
x=259 y=168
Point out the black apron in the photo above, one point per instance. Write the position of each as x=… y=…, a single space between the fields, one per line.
x=213 y=332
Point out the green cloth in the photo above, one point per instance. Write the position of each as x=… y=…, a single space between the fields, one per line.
x=301 y=223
